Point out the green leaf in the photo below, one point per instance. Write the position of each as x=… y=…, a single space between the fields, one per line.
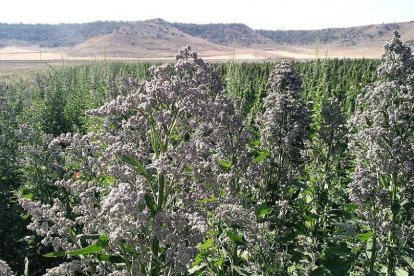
x=103 y=240
x=25 y=193
x=256 y=143
x=28 y=196
x=264 y=211
x=224 y=164
x=341 y=251
x=133 y=162
x=198 y=259
x=239 y=270
x=365 y=236
x=55 y=254
x=111 y=259
x=196 y=268
x=408 y=251
x=357 y=250
x=337 y=265
x=219 y=262
x=151 y=204
x=401 y=272
x=320 y=271
x=235 y=237
x=91 y=249
x=26 y=267
x=139 y=167
x=207 y=200
x=395 y=207
x=262 y=156
x=300 y=185
x=108 y=180
x=205 y=245
x=245 y=255
x=408 y=260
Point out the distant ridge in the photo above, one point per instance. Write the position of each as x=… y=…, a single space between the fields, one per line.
x=61 y=35
x=342 y=36
x=159 y=38
x=225 y=34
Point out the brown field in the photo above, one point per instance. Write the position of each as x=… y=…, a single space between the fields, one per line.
x=26 y=57
x=14 y=60
x=16 y=54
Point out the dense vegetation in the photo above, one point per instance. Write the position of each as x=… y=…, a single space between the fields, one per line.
x=232 y=169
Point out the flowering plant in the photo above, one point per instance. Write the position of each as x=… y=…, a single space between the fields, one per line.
x=135 y=198
x=382 y=139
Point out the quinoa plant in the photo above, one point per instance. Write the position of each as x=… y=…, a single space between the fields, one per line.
x=12 y=229
x=382 y=142
x=139 y=197
x=325 y=194
x=284 y=132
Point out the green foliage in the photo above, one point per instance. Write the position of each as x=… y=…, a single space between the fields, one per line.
x=321 y=236
x=97 y=247
x=11 y=224
x=321 y=79
x=53 y=102
x=62 y=96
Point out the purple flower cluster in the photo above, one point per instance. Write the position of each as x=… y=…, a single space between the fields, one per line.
x=382 y=142
x=284 y=127
x=174 y=142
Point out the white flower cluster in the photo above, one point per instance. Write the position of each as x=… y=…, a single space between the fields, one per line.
x=5 y=269
x=67 y=269
x=50 y=223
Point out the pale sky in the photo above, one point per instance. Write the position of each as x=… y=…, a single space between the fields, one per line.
x=257 y=14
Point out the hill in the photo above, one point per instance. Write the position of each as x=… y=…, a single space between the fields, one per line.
x=362 y=35
x=142 y=39
x=159 y=39
x=61 y=35
x=225 y=34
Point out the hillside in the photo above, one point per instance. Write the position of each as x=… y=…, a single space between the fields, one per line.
x=142 y=39
x=362 y=35
x=159 y=39
x=225 y=34
x=61 y=35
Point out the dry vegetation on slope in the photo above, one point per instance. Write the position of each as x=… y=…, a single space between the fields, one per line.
x=159 y=39
x=153 y=38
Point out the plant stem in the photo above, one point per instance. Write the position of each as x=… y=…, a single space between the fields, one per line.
x=392 y=240
x=373 y=254
x=155 y=246
x=161 y=188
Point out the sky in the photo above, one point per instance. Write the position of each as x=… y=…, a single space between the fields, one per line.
x=257 y=14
